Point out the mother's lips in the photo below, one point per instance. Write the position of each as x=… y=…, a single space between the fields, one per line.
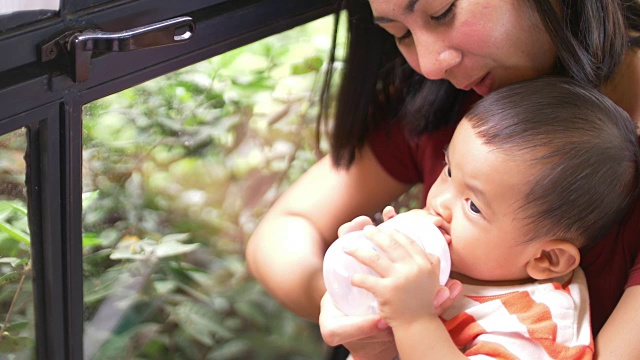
x=478 y=85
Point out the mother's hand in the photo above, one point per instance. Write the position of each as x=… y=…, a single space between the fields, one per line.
x=366 y=337
x=369 y=337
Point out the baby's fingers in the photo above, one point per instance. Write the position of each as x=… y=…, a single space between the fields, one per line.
x=370 y=283
x=388 y=212
x=396 y=245
x=446 y=295
x=356 y=224
x=368 y=256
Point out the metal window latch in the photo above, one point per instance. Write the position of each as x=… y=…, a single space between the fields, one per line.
x=78 y=46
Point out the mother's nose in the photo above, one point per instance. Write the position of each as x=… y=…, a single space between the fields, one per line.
x=436 y=57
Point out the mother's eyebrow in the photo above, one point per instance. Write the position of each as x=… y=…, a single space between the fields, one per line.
x=408 y=8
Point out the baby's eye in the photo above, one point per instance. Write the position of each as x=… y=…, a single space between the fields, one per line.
x=473 y=208
x=447 y=168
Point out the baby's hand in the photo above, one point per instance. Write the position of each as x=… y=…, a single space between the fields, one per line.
x=361 y=221
x=354 y=225
x=409 y=276
x=388 y=212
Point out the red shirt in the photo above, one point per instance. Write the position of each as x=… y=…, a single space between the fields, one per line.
x=610 y=267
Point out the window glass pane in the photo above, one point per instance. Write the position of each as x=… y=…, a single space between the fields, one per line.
x=177 y=172
x=17 y=331
x=9 y=6
x=14 y=13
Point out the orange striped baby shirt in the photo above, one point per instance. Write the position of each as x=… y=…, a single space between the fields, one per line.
x=540 y=320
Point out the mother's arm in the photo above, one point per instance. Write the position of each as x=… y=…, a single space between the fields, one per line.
x=619 y=337
x=286 y=251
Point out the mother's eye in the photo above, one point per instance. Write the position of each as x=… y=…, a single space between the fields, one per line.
x=403 y=37
x=445 y=15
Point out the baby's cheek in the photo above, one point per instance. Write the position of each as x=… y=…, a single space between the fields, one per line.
x=463 y=253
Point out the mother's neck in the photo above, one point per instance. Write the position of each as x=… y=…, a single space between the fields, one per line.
x=624 y=87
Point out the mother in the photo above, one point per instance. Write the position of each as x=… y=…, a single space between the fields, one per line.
x=413 y=68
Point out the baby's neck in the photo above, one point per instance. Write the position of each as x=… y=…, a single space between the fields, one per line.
x=466 y=280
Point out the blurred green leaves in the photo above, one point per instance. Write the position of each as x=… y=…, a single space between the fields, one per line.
x=178 y=172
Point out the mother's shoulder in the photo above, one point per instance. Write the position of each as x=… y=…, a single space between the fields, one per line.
x=624 y=87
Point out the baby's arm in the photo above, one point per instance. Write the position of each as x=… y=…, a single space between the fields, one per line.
x=405 y=293
x=425 y=338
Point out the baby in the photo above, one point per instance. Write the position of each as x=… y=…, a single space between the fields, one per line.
x=535 y=172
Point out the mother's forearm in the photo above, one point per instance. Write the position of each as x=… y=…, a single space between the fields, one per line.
x=285 y=255
x=618 y=339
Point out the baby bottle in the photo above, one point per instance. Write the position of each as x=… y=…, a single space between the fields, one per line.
x=338 y=267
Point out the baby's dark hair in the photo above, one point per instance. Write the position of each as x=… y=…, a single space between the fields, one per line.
x=584 y=147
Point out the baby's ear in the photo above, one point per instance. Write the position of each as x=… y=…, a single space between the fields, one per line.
x=553 y=258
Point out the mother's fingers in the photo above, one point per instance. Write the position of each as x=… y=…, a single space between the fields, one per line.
x=338 y=328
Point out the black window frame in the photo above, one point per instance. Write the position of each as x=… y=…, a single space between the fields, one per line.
x=43 y=98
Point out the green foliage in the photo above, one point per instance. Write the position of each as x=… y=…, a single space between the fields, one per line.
x=16 y=299
x=178 y=171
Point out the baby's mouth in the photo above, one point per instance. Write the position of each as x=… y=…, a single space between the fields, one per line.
x=447 y=237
